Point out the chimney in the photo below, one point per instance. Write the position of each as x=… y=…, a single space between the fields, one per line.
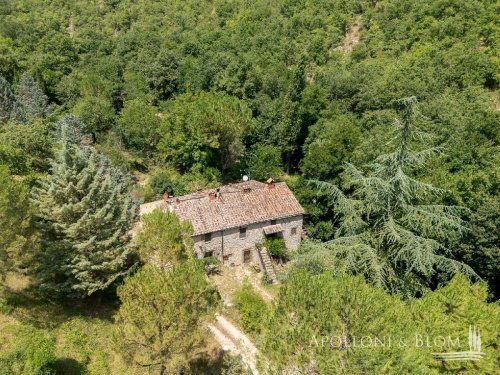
x=165 y=196
x=270 y=183
x=212 y=195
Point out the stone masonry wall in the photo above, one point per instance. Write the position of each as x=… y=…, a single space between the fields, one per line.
x=229 y=246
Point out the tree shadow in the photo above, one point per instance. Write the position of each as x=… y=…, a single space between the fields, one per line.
x=68 y=366
x=29 y=306
x=216 y=362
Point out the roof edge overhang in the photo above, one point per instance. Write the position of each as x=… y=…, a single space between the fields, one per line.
x=249 y=223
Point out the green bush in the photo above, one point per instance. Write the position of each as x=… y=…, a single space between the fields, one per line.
x=276 y=248
x=252 y=307
x=32 y=353
x=171 y=181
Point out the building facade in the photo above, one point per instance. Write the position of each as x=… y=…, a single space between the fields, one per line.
x=231 y=221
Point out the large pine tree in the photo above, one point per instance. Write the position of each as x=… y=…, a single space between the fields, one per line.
x=84 y=214
x=389 y=230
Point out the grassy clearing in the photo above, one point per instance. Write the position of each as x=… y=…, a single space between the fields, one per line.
x=82 y=333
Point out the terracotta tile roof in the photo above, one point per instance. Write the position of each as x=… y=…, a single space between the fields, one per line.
x=235 y=205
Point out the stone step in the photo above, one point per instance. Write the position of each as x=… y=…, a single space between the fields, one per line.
x=268 y=266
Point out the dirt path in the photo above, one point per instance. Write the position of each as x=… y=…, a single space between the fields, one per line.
x=227 y=334
x=234 y=341
x=232 y=278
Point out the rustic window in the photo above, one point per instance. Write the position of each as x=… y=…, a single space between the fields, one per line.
x=243 y=232
x=273 y=222
x=294 y=231
x=247 y=256
x=208 y=237
x=209 y=254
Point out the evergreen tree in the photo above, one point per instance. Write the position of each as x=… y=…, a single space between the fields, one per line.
x=84 y=215
x=31 y=98
x=318 y=320
x=288 y=127
x=74 y=131
x=10 y=109
x=387 y=230
x=160 y=321
x=321 y=324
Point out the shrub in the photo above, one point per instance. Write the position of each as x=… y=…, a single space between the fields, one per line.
x=253 y=309
x=276 y=248
x=32 y=353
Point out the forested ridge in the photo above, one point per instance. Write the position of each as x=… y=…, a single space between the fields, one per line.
x=381 y=116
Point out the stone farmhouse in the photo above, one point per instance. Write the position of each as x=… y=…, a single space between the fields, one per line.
x=231 y=220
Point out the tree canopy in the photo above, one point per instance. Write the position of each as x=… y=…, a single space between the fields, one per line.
x=84 y=213
x=160 y=321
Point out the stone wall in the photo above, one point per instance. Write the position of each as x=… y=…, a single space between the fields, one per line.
x=229 y=245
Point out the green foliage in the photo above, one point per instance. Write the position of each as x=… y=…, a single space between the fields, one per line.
x=96 y=112
x=310 y=308
x=264 y=161
x=292 y=64
x=481 y=249
x=252 y=308
x=203 y=130
x=33 y=101
x=26 y=148
x=160 y=73
x=84 y=213
x=452 y=309
x=276 y=247
x=160 y=321
x=316 y=319
x=10 y=109
x=72 y=129
x=17 y=235
x=304 y=86
x=32 y=353
x=163 y=239
x=88 y=343
x=388 y=231
x=137 y=126
x=168 y=180
x=330 y=143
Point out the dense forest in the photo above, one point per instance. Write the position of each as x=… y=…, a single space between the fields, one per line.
x=381 y=116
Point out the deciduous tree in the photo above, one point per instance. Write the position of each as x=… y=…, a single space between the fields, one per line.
x=17 y=234
x=206 y=129
x=164 y=239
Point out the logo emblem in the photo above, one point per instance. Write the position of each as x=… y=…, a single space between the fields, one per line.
x=474 y=353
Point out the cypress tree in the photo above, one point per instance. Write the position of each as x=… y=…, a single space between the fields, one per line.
x=31 y=98
x=84 y=215
x=388 y=230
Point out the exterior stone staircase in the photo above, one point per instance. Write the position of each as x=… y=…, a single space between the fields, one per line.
x=266 y=264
